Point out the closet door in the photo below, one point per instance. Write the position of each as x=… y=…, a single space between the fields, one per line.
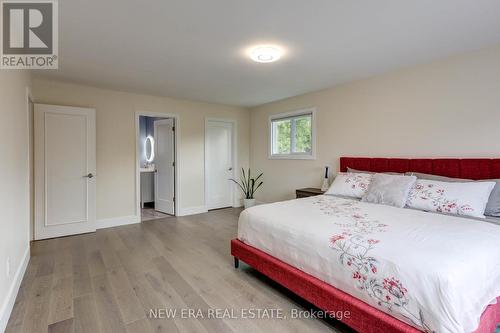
x=65 y=170
x=219 y=164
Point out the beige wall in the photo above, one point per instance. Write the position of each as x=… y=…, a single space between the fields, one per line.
x=116 y=140
x=14 y=188
x=447 y=108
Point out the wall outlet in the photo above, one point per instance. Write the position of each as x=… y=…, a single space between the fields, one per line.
x=8 y=267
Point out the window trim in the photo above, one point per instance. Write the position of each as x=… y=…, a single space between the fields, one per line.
x=293 y=156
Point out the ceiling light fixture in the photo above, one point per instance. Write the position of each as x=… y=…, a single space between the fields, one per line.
x=265 y=53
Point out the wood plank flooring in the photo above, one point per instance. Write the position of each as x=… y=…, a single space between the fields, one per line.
x=109 y=280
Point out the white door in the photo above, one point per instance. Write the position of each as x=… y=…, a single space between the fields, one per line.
x=65 y=169
x=218 y=164
x=165 y=167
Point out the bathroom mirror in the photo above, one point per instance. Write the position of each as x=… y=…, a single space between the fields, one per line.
x=149 y=149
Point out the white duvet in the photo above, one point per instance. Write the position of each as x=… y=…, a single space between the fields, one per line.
x=434 y=272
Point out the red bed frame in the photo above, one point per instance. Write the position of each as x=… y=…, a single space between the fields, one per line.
x=363 y=317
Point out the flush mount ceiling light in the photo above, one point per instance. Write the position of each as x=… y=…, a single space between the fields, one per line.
x=265 y=53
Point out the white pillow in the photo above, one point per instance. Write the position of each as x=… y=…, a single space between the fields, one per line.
x=389 y=190
x=468 y=199
x=350 y=184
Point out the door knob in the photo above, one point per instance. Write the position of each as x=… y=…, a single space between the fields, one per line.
x=230 y=169
x=89 y=176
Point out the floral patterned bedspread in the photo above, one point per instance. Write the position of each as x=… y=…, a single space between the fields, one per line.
x=435 y=272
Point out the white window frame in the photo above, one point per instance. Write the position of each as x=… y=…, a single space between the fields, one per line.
x=293 y=156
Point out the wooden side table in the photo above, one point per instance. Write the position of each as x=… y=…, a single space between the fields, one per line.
x=308 y=192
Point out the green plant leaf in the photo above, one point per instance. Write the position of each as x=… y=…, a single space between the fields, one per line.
x=248 y=185
x=260 y=184
x=256 y=179
x=239 y=185
x=252 y=185
x=243 y=182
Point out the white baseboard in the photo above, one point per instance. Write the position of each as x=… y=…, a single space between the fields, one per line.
x=8 y=305
x=117 y=221
x=192 y=210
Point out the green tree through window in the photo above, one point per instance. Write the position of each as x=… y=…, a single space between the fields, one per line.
x=283 y=136
x=303 y=142
x=292 y=135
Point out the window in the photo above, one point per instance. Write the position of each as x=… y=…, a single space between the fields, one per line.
x=292 y=135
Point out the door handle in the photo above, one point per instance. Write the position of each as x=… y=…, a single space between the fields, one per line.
x=89 y=176
x=230 y=169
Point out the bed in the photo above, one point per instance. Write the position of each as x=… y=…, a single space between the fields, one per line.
x=393 y=269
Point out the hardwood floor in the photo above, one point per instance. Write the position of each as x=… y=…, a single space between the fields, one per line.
x=109 y=280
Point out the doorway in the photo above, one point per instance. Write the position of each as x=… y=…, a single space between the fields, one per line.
x=220 y=163
x=157 y=170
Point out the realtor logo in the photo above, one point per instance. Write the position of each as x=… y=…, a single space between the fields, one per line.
x=29 y=34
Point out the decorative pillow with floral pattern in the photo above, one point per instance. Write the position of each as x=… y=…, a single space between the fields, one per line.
x=467 y=199
x=350 y=184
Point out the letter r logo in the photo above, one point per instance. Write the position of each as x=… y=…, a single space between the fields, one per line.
x=27 y=27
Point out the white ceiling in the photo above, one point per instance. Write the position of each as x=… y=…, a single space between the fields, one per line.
x=194 y=49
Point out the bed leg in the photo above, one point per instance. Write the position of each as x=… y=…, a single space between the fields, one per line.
x=236 y=262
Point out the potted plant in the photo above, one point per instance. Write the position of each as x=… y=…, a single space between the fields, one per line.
x=248 y=186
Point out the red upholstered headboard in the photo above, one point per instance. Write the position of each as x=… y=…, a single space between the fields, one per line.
x=468 y=168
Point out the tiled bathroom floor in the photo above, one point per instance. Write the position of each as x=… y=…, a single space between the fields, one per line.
x=148 y=214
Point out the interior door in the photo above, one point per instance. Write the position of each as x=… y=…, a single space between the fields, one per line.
x=165 y=167
x=218 y=164
x=65 y=170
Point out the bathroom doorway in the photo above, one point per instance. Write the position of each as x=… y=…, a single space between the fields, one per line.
x=157 y=171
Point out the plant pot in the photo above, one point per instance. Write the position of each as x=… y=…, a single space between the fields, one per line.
x=248 y=203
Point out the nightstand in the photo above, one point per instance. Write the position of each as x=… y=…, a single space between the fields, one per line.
x=308 y=192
